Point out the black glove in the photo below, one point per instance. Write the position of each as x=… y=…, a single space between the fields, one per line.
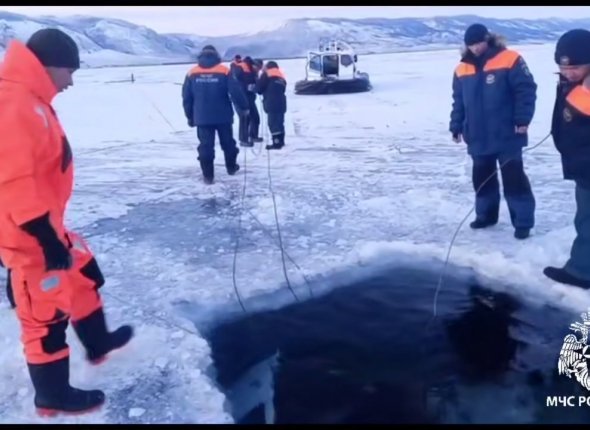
x=57 y=255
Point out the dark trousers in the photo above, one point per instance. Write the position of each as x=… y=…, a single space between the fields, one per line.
x=517 y=189
x=243 y=127
x=276 y=123
x=579 y=262
x=253 y=130
x=206 y=148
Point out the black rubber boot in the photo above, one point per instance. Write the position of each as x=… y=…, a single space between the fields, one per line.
x=54 y=394
x=232 y=170
x=208 y=170
x=231 y=166
x=522 y=233
x=94 y=335
x=481 y=223
x=564 y=277
x=278 y=141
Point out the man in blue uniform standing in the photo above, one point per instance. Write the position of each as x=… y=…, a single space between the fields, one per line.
x=207 y=95
x=494 y=97
x=571 y=135
x=272 y=84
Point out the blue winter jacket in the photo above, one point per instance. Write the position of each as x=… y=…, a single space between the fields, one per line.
x=207 y=90
x=273 y=85
x=492 y=94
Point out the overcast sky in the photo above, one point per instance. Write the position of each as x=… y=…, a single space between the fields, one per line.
x=226 y=20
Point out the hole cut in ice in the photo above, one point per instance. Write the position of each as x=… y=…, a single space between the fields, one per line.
x=371 y=352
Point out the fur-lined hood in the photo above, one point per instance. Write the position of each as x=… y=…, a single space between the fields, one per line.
x=496 y=41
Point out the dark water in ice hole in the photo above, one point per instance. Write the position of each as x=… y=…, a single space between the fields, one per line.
x=366 y=353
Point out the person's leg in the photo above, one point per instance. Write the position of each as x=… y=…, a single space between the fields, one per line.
x=229 y=148
x=43 y=306
x=579 y=262
x=206 y=150
x=87 y=312
x=577 y=269
x=276 y=125
x=254 y=126
x=518 y=193
x=487 y=188
x=243 y=126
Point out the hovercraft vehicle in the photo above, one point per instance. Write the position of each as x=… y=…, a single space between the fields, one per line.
x=332 y=70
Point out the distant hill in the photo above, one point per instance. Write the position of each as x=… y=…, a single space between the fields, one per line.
x=116 y=42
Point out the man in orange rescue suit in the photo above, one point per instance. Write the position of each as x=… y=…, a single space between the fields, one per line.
x=571 y=136
x=273 y=85
x=494 y=96
x=54 y=274
x=207 y=95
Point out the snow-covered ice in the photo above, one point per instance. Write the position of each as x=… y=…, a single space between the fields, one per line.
x=365 y=180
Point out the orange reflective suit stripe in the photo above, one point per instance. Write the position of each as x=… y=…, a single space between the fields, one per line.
x=579 y=99
x=198 y=70
x=245 y=67
x=464 y=69
x=504 y=60
x=275 y=73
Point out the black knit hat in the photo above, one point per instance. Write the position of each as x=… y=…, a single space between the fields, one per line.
x=54 y=48
x=573 y=48
x=209 y=48
x=476 y=33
